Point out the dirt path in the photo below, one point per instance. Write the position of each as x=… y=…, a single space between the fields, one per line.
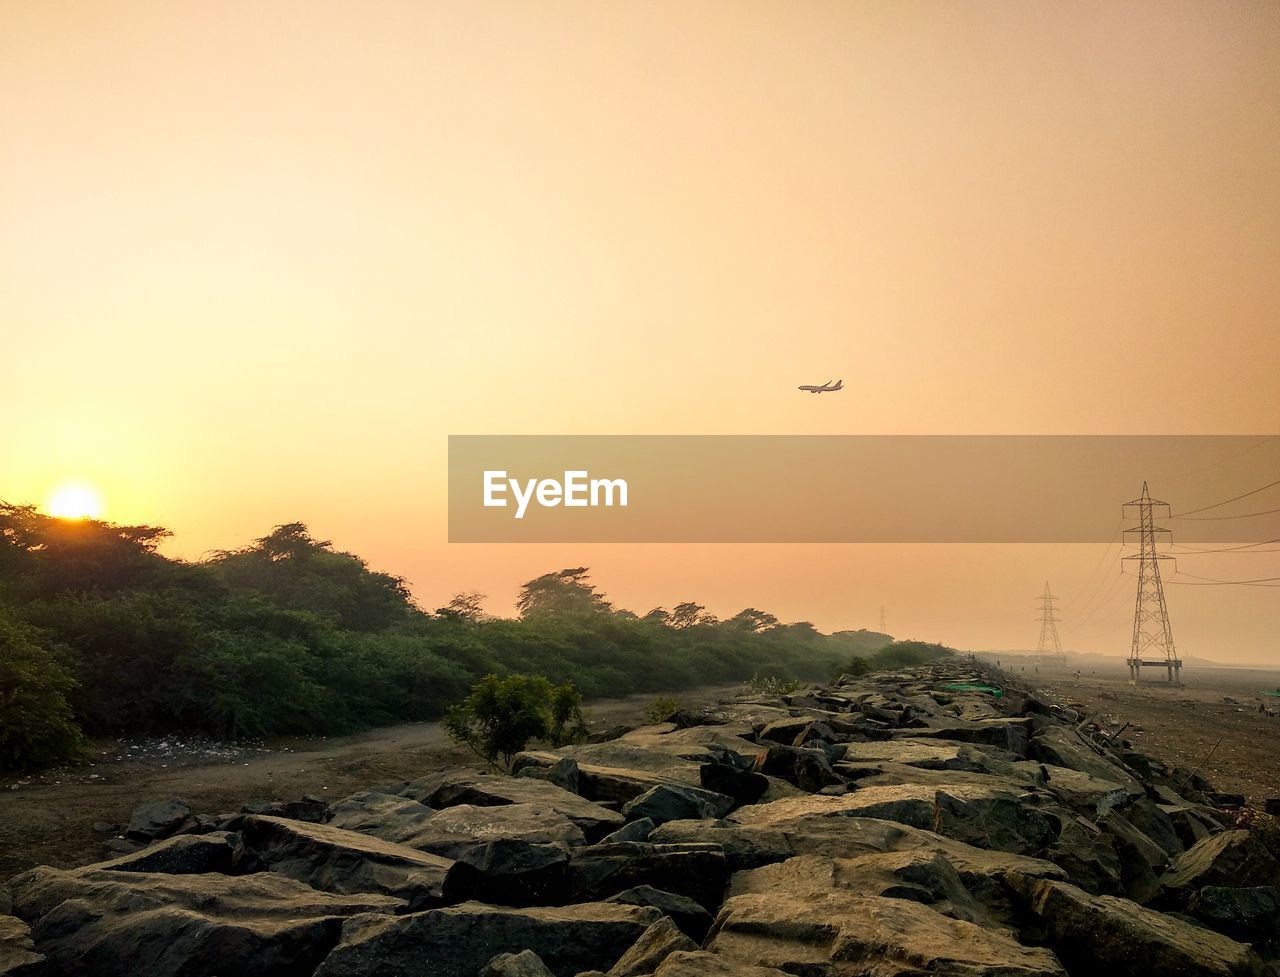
x=1181 y=726
x=50 y=820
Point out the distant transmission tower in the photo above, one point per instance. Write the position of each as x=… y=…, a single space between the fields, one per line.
x=1152 y=636
x=883 y=626
x=1050 y=647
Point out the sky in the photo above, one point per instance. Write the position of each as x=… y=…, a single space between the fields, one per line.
x=259 y=260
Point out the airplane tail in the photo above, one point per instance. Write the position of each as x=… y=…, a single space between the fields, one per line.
x=839 y=385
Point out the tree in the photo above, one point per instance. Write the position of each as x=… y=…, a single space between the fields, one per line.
x=752 y=620
x=467 y=606
x=36 y=724
x=688 y=614
x=501 y=715
x=563 y=593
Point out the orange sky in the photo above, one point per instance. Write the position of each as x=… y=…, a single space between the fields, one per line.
x=258 y=260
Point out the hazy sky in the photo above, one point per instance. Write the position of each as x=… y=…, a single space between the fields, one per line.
x=258 y=260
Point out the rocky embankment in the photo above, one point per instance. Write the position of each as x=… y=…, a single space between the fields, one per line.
x=887 y=826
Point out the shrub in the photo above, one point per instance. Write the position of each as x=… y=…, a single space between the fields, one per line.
x=660 y=709
x=770 y=685
x=501 y=715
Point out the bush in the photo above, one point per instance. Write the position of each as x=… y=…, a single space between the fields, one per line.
x=501 y=715
x=660 y=709
x=36 y=724
x=770 y=685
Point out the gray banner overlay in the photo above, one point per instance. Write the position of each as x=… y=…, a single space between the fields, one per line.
x=858 y=488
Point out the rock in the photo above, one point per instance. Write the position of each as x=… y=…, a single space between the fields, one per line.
x=1142 y=861
x=807 y=768
x=702 y=964
x=335 y=860
x=929 y=754
x=455 y=830
x=1004 y=733
x=142 y=924
x=179 y=855
x=692 y=919
x=462 y=939
x=698 y=872
x=676 y=802
x=1231 y=858
x=992 y=817
x=563 y=774
x=386 y=816
x=842 y=932
x=526 y=963
x=158 y=819
x=788 y=732
x=467 y=787
x=105 y=827
x=510 y=872
x=1107 y=935
x=606 y=783
x=743 y=785
x=631 y=831
x=18 y=957
x=655 y=944
x=1250 y=915
x=1064 y=747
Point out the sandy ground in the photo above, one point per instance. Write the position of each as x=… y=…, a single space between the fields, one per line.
x=50 y=820
x=1181 y=725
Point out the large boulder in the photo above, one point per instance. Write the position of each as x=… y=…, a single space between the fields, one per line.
x=510 y=872
x=1117 y=937
x=841 y=932
x=458 y=940
x=1250 y=915
x=677 y=802
x=334 y=860
x=160 y=818
x=1062 y=746
x=455 y=830
x=1231 y=858
x=456 y=787
x=929 y=754
x=698 y=872
x=144 y=924
x=692 y=918
x=180 y=855
x=386 y=816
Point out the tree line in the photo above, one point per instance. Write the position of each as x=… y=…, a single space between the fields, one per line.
x=100 y=634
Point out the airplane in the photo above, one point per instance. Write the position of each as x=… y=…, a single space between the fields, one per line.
x=824 y=388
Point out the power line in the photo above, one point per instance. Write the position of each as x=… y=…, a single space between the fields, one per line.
x=1243 y=515
x=1249 y=547
x=1215 y=582
x=1221 y=461
x=1218 y=505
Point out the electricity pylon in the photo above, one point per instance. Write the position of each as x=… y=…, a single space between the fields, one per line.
x=1050 y=646
x=1152 y=636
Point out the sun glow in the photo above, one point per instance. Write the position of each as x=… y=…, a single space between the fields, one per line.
x=74 y=501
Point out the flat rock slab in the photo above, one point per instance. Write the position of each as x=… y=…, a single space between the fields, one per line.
x=457 y=941
x=477 y=789
x=140 y=924
x=1106 y=935
x=179 y=855
x=928 y=753
x=455 y=830
x=335 y=860
x=842 y=933
x=699 y=963
x=386 y=816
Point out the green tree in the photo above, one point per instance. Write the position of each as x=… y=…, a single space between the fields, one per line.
x=36 y=724
x=502 y=714
x=564 y=593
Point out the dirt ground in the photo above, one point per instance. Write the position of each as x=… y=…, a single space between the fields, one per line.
x=49 y=820
x=1181 y=725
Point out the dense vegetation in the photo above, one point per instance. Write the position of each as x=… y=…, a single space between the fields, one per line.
x=102 y=634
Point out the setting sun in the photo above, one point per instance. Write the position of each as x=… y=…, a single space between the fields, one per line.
x=75 y=501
